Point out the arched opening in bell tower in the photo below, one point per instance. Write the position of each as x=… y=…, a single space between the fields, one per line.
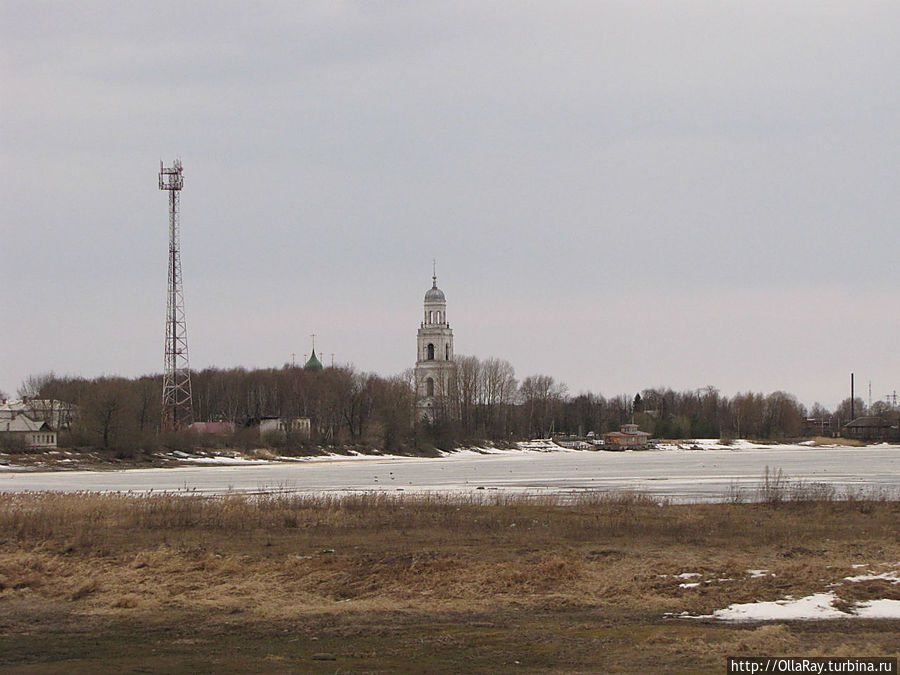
x=430 y=351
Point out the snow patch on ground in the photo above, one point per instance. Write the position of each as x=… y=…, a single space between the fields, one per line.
x=335 y=457
x=893 y=577
x=878 y=609
x=743 y=445
x=479 y=450
x=819 y=606
x=711 y=444
x=236 y=459
x=816 y=607
x=223 y=460
x=713 y=577
x=542 y=445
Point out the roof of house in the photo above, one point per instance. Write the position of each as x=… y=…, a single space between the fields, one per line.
x=25 y=404
x=22 y=423
x=52 y=411
x=869 y=422
x=623 y=434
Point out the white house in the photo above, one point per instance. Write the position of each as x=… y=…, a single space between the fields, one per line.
x=22 y=430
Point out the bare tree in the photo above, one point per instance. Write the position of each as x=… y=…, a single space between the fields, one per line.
x=848 y=409
x=468 y=379
x=105 y=411
x=33 y=384
x=498 y=387
x=783 y=415
x=541 y=396
x=880 y=408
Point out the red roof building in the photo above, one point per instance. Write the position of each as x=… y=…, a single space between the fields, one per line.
x=630 y=437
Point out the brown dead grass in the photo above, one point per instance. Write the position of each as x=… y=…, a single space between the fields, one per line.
x=259 y=563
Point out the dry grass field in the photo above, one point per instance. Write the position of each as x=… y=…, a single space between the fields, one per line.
x=379 y=583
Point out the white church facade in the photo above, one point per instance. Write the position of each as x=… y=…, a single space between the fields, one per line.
x=435 y=372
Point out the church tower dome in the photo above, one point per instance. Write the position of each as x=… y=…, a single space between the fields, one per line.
x=434 y=294
x=435 y=304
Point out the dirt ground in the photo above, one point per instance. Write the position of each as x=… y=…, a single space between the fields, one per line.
x=380 y=583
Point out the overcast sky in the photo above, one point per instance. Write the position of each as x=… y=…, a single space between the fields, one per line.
x=622 y=194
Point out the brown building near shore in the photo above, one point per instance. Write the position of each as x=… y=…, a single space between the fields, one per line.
x=629 y=438
x=873 y=428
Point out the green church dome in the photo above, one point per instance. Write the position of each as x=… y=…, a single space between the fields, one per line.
x=313 y=363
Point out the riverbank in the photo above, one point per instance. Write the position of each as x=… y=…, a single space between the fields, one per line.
x=81 y=459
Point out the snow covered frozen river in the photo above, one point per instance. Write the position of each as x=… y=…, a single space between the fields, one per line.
x=682 y=475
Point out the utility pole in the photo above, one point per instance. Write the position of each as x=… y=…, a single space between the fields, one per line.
x=177 y=404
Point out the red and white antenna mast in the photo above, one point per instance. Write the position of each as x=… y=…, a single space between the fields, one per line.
x=177 y=409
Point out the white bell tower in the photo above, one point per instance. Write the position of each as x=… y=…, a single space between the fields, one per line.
x=435 y=372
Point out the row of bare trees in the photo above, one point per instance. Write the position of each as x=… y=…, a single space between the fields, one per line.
x=347 y=407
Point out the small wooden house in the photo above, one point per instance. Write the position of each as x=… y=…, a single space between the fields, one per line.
x=628 y=438
x=872 y=428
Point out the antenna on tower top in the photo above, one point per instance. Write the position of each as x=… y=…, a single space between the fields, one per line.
x=177 y=404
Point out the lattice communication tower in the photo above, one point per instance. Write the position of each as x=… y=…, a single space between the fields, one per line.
x=177 y=408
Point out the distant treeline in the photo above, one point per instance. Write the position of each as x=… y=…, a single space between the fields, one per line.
x=351 y=408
